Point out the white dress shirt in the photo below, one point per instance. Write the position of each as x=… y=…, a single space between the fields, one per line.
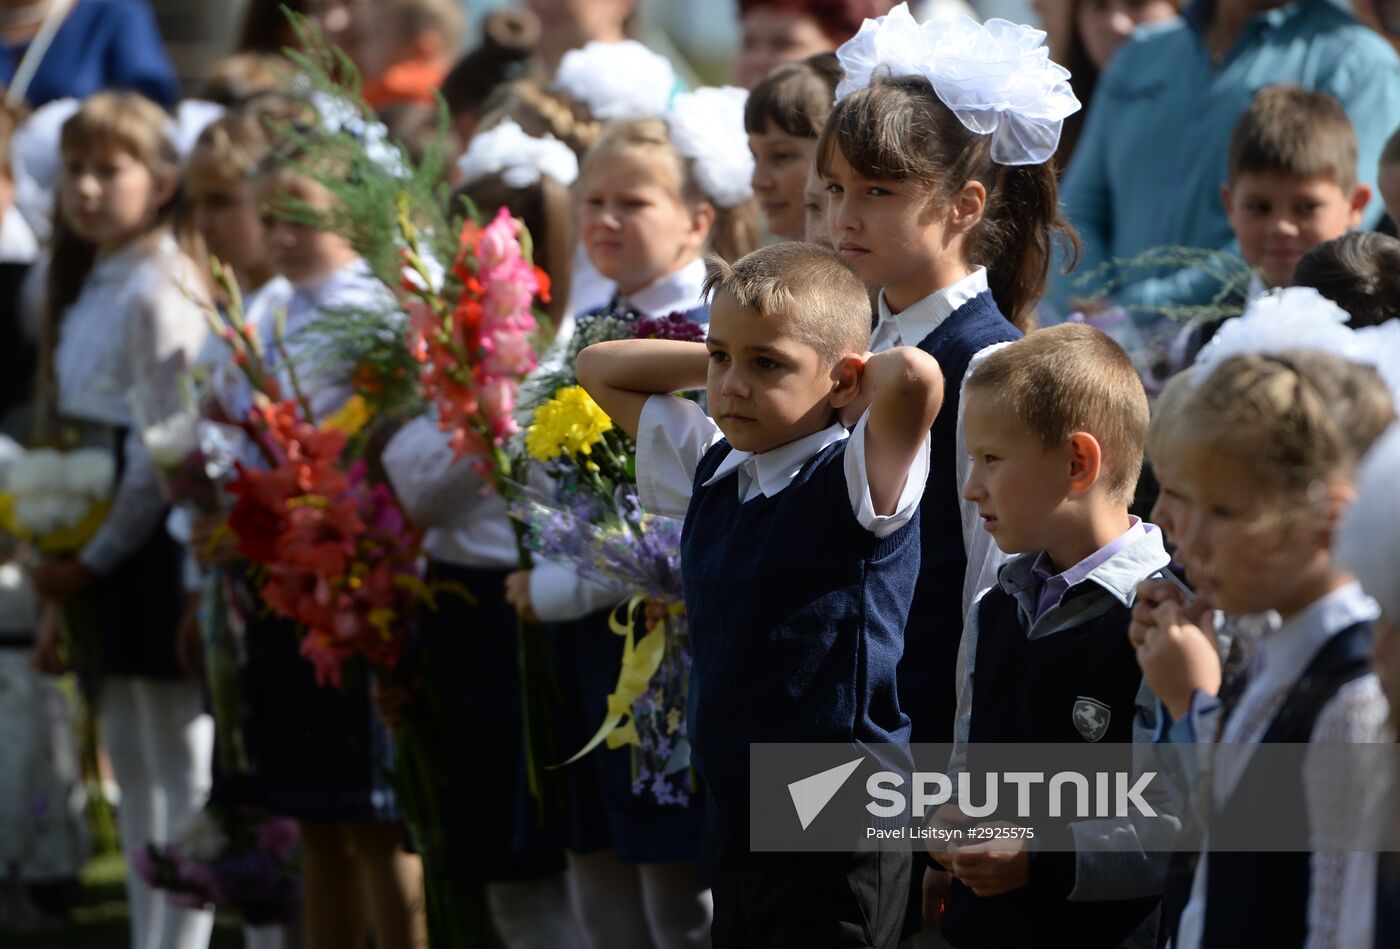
x=674 y=434
x=465 y=519
x=1357 y=713
x=910 y=327
x=673 y=293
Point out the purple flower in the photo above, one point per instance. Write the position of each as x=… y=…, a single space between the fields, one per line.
x=278 y=836
x=675 y=326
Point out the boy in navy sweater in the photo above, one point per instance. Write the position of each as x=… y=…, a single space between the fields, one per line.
x=800 y=553
x=1056 y=424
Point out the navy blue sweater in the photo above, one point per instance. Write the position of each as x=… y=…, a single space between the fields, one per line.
x=928 y=673
x=797 y=618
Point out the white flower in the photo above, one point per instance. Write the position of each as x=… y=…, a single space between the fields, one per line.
x=37 y=471
x=173 y=440
x=91 y=473
x=996 y=77
x=707 y=126
x=437 y=273
x=617 y=80
x=41 y=513
x=520 y=159
x=202 y=839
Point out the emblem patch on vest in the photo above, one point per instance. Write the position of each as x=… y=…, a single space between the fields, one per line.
x=1091 y=717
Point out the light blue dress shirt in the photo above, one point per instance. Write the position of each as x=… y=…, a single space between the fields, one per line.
x=1149 y=167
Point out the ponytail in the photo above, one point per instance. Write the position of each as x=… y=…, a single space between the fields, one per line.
x=735 y=232
x=1017 y=236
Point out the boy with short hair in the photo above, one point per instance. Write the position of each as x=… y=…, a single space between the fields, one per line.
x=800 y=554
x=1292 y=179
x=1056 y=424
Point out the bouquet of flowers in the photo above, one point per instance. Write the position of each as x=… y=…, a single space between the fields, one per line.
x=600 y=328
x=595 y=522
x=55 y=501
x=235 y=860
x=338 y=555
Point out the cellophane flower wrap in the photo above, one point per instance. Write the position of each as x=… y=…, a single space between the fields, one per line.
x=235 y=860
x=594 y=521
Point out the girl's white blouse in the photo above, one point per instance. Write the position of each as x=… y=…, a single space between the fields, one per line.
x=137 y=308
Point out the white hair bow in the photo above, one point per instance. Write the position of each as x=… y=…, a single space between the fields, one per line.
x=520 y=159
x=707 y=126
x=996 y=77
x=1301 y=318
x=617 y=80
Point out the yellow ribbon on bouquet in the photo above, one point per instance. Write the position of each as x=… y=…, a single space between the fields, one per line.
x=640 y=660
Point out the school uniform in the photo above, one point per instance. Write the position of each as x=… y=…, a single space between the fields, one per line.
x=797 y=595
x=1046 y=658
x=959 y=326
x=1309 y=681
x=136 y=299
x=470 y=647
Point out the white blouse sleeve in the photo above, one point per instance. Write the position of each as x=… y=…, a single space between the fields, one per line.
x=434 y=488
x=984 y=557
x=164 y=321
x=559 y=595
x=858 y=485
x=1336 y=793
x=672 y=436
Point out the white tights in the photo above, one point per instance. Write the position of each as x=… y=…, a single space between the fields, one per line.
x=160 y=744
x=533 y=914
x=639 y=906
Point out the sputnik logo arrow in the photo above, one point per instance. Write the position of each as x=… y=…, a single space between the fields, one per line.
x=811 y=795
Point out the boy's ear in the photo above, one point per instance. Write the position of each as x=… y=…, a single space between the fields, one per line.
x=1360 y=197
x=1225 y=198
x=164 y=187
x=845 y=377
x=1085 y=462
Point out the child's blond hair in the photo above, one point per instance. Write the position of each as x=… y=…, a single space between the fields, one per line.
x=1292 y=420
x=735 y=232
x=815 y=293
x=1074 y=378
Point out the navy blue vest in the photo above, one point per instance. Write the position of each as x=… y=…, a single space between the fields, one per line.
x=927 y=674
x=1261 y=899
x=1027 y=690
x=797 y=620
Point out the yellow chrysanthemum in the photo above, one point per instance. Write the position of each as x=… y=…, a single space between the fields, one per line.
x=350 y=417
x=569 y=424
